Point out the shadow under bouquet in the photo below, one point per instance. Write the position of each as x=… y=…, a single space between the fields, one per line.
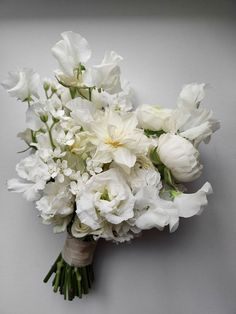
x=99 y=168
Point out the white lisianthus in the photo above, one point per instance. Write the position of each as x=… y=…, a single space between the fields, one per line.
x=118 y=139
x=22 y=84
x=180 y=156
x=105 y=197
x=153 y=118
x=105 y=75
x=70 y=52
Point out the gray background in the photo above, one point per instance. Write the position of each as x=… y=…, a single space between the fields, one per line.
x=165 y=44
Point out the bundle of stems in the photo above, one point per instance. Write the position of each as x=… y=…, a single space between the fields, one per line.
x=69 y=280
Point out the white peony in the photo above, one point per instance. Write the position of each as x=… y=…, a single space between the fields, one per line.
x=105 y=197
x=70 y=52
x=180 y=156
x=153 y=118
x=22 y=84
x=105 y=75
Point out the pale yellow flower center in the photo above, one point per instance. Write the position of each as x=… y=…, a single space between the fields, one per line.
x=113 y=143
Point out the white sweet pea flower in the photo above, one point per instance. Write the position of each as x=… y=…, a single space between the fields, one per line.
x=153 y=211
x=180 y=156
x=106 y=197
x=70 y=52
x=191 y=95
x=34 y=176
x=56 y=204
x=118 y=139
x=190 y=120
x=189 y=205
x=153 y=118
x=105 y=75
x=160 y=212
x=22 y=84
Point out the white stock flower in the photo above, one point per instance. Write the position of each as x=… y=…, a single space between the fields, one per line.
x=180 y=156
x=140 y=177
x=56 y=204
x=153 y=118
x=71 y=51
x=118 y=139
x=106 y=197
x=105 y=75
x=22 y=84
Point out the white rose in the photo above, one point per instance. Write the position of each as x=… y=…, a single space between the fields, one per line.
x=180 y=156
x=71 y=51
x=152 y=118
x=106 y=197
x=22 y=84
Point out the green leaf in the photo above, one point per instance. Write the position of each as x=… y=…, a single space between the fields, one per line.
x=150 y=133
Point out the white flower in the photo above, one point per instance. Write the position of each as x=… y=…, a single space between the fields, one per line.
x=140 y=177
x=122 y=101
x=65 y=138
x=34 y=176
x=157 y=212
x=82 y=112
x=117 y=138
x=22 y=84
x=154 y=212
x=153 y=118
x=56 y=204
x=71 y=51
x=180 y=156
x=190 y=120
x=191 y=95
x=59 y=169
x=105 y=75
x=189 y=205
x=106 y=197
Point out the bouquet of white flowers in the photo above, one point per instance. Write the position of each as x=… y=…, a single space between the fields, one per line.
x=97 y=168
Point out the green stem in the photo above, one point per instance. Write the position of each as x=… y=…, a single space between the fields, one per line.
x=49 y=129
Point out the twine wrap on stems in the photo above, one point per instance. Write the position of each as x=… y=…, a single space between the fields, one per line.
x=77 y=252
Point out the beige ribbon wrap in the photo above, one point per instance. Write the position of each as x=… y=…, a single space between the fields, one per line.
x=77 y=252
